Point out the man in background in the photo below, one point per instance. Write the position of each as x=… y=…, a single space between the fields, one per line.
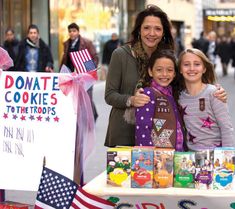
x=75 y=43
x=212 y=47
x=108 y=49
x=34 y=54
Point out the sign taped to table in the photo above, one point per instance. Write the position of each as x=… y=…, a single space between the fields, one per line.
x=37 y=121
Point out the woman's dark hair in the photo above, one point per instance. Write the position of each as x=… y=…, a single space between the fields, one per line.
x=156 y=12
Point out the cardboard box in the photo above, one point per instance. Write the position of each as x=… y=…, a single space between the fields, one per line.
x=163 y=167
x=184 y=169
x=204 y=160
x=142 y=167
x=119 y=166
x=224 y=168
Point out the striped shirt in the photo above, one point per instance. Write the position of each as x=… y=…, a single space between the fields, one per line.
x=207 y=120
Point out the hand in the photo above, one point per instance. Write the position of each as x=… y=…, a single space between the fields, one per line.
x=139 y=99
x=220 y=93
x=49 y=69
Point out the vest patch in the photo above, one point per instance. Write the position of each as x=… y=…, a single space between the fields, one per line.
x=158 y=123
x=202 y=104
x=163 y=105
x=163 y=140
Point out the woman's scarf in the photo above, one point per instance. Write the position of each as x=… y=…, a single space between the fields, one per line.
x=141 y=57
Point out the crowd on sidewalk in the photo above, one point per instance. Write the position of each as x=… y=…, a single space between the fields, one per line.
x=212 y=45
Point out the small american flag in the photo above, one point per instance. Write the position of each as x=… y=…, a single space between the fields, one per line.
x=59 y=192
x=82 y=61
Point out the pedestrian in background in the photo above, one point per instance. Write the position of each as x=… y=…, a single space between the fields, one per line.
x=34 y=54
x=179 y=47
x=76 y=42
x=232 y=45
x=108 y=49
x=224 y=50
x=202 y=43
x=212 y=47
x=11 y=44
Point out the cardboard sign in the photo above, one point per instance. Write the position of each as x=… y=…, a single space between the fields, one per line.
x=37 y=121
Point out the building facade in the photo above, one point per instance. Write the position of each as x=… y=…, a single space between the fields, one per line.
x=97 y=19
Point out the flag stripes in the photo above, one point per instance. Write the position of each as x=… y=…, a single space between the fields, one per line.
x=82 y=61
x=85 y=200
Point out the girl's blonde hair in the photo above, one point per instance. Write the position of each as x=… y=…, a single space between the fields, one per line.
x=207 y=77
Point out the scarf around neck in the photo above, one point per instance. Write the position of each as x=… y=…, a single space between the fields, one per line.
x=141 y=57
x=165 y=90
x=30 y=43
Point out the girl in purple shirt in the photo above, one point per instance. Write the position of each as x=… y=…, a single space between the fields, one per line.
x=158 y=123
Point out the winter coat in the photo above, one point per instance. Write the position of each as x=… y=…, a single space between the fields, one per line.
x=122 y=78
x=44 y=60
x=83 y=43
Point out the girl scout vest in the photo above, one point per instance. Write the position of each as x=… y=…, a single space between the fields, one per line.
x=164 y=122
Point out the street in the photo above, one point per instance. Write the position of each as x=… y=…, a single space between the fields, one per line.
x=96 y=162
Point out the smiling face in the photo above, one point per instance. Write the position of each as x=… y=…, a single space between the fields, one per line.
x=151 y=33
x=33 y=35
x=163 y=71
x=192 y=68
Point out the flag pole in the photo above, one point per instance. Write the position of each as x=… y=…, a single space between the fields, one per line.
x=44 y=161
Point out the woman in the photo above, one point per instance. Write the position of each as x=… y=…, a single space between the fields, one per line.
x=152 y=31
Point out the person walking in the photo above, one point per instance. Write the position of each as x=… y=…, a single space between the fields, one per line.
x=76 y=42
x=224 y=50
x=11 y=45
x=212 y=47
x=202 y=43
x=108 y=49
x=34 y=54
